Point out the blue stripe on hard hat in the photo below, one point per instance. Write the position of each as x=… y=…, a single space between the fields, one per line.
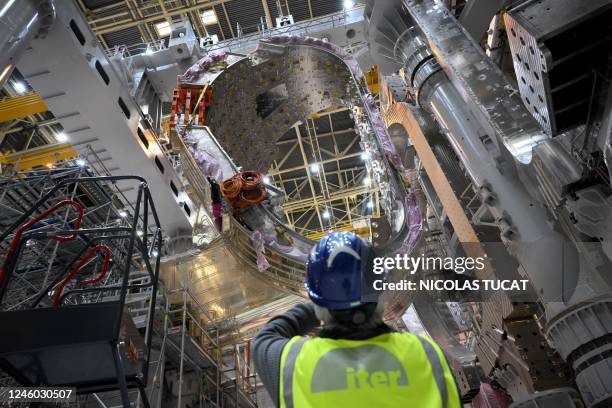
x=334 y=270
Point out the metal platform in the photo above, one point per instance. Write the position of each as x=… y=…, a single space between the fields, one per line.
x=194 y=354
x=48 y=351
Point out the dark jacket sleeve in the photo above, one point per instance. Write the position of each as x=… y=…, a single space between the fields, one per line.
x=268 y=344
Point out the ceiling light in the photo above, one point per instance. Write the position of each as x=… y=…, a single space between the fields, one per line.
x=365 y=156
x=367 y=181
x=123 y=214
x=20 y=87
x=370 y=204
x=348 y=4
x=80 y=162
x=267 y=180
x=163 y=29
x=61 y=137
x=154 y=253
x=325 y=214
x=314 y=168
x=139 y=233
x=209 y=17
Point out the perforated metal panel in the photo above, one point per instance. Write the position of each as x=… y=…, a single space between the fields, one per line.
x=555 y=47
x=530 y=67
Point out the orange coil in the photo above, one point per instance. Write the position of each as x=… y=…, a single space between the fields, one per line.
x=244 y=189
x=251 y=197
x=230 y=188
x=251 y=179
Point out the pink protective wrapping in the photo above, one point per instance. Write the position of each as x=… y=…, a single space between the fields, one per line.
x=260 y=238
x=200 y=67
x=258 y=244
x=488 y=397
x=381 y=131
x=206 y=162
x=414 y=219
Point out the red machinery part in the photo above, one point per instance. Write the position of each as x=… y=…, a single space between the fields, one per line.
x=185 y=101
x=132 y=353
x=62 y=238
x=84 y=259
x=247 y=358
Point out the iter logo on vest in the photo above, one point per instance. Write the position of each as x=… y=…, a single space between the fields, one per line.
x=357 y=368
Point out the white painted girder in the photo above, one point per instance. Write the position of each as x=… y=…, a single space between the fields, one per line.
x=64 y=68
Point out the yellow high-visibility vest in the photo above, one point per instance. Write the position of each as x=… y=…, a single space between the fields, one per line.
x=389 y=370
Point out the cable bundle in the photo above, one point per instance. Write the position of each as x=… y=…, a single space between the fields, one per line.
x=244 y=189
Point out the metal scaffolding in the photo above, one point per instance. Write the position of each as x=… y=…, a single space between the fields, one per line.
x=204 y=369
x=88 y=205
x=114 y=245
x=322 y=173
x=180 y=335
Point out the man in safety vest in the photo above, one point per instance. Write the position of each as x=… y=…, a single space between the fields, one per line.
x=356 y=360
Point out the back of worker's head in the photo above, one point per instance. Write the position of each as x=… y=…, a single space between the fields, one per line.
x=335 y=271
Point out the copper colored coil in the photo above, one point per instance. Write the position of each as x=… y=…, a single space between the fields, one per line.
x=251 y=197
x=251 y=180
x=230 y=188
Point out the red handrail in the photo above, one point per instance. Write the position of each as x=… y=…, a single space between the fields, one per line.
x=27 y=225
x=84 y=259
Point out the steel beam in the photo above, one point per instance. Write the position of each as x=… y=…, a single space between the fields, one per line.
x=112 y=27
x=269 y=22
x=334 y=196
x=40 y=156
x=305 y=166
x=310 y=183
x=103 y=114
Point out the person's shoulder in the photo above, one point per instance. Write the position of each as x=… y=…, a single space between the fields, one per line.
x=411 y=337
x=404 y=334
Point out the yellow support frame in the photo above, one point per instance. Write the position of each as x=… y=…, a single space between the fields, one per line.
x=361 y=231
x=21 y=106
x=40 y=156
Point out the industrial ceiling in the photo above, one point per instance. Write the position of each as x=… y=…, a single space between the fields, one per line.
x=130 y=22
